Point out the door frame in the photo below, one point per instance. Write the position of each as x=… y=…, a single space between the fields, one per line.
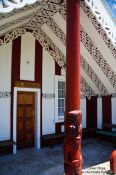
x=37 y=115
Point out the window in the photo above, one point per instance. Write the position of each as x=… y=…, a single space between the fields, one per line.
x=59 y=98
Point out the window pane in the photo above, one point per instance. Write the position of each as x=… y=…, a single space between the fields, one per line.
x=60 y=111
x=63 y=85
x=60 y=102
x=60 y=94
x=63 y=93
x=60 y=85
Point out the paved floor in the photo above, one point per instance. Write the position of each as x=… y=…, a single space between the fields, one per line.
x=49 y=161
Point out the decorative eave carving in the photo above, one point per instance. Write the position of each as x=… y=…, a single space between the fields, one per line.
x=7 y=6
x=102 y=20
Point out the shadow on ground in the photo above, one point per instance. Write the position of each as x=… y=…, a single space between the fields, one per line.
x=49 y=161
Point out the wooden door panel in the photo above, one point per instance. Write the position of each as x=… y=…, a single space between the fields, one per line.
x=21 y=139
x=29 y=125
x=29 y=111
x=25 y=119
x=20 y=99
x=28 y=99
x=20 y=111
x=20 y=126
x=29 y=138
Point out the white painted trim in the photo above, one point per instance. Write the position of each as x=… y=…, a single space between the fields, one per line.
x=58 y=78
x=37 y=130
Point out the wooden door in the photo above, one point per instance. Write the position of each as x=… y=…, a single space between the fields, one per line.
x=25 y=119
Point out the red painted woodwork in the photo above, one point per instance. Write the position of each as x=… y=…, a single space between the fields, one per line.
x=16 y=56
x=72 y=143
x=106 y=111
x=57 y=69
x=91 y=112
x=73 y=116
x=58 y=127
x=15 y=74
x=113 y=162
x=38 y=75
x=38 y=63
x=73 y=56
x=25 y=119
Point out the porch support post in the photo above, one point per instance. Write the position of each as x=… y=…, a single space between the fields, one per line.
x=73 y=115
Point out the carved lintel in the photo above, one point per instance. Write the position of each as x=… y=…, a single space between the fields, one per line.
x=27 y=84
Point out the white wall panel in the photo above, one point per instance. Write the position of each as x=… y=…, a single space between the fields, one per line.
x=99 y=113
x=83 y=110
x=27 y=67
x=48 y=109
x=48 y=73
x=4 y=118
x=5 y=67
x=48 y=125
x=5 y=86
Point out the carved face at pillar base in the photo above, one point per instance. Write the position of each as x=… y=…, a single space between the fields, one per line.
x=73 y=126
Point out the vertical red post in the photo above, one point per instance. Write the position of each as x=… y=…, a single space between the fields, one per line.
x=73 y=115
x=73 y=56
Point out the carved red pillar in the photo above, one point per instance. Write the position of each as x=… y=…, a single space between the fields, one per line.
x=73 y=116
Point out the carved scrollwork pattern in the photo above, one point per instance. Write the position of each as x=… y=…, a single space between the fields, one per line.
x=97 y=56
x=93 y=76
x=98 y=27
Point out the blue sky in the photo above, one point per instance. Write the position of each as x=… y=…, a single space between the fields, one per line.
x=112 y=5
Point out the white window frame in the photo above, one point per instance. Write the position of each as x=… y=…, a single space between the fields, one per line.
x=57 y=79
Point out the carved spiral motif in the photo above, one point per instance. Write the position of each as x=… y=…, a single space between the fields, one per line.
x=8 y=5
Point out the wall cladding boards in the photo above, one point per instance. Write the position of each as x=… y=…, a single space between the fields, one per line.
x=5 y=67
x=48 y=72
x=5 y=90
x=27 y=64
x=12 y=58
x=42 y=69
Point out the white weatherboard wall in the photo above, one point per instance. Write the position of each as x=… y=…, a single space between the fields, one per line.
x=83 y=110
x=5 y=67
x=99 y=113
x=113 y=102
x=48 y=125
x=5 y=118
x=27 y=67
x=5 y=87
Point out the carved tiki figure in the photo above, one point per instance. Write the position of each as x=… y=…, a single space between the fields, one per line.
x=72 y=143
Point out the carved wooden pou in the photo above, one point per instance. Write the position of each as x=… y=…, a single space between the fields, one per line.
x=72 y=143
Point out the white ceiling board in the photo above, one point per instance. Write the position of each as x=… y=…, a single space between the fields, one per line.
x=96 y=69
x=54 y=38
x=89 y=81
x=13 y=27
x=17 y=16
x=60 y=21
x=98 y=41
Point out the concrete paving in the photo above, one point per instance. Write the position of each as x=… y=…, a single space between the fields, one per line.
x=49 y=161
